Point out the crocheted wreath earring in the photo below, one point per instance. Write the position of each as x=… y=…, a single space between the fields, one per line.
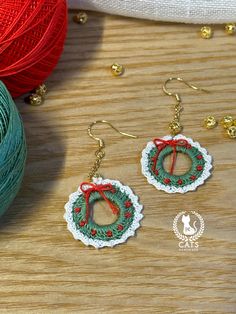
x=156 y=151
x=120 y=198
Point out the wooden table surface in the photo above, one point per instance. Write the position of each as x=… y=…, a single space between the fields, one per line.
x=43 y=269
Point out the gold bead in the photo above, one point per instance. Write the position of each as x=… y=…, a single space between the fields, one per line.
x=210 y=122
x=230 y=28
x=227 y=121
x=41 y=90
x=234 y=123
x=35 y=100
x=175 y=127
x=206 y=32
x=117 y=69
x=231 y=131
x=80 y=18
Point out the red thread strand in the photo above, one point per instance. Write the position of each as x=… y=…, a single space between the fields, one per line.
x=32 y=34
x=87 y=188
x=161 y=144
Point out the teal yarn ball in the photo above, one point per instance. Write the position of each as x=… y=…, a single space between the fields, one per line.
x=12 y=149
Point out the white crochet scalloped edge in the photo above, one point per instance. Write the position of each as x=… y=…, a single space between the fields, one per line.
x=172 y=189
x=100 y=243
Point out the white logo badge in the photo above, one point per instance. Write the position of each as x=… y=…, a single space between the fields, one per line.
x=188 y=227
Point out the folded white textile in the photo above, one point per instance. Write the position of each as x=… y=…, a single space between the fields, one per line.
x=186 y=11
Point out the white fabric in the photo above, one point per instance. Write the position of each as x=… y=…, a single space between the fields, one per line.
x=187 y=11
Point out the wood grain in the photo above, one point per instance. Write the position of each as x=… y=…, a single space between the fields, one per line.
x=43 y=270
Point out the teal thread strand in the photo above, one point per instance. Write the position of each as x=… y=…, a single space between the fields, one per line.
x=12 y=149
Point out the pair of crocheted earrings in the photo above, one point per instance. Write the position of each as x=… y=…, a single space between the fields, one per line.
x=120 y=198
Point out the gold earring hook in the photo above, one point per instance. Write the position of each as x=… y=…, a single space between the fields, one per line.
x=100 y=153
x=176 y=95
x=99 y=140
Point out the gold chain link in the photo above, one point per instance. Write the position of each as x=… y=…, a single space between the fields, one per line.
x=100 y=154
x=178 y=108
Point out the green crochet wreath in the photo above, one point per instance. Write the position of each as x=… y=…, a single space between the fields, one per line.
x=162 y=176
x=104 y=232
x=121 y=200
x=155 y=152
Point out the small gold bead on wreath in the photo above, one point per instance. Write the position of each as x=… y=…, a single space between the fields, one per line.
x=175 y=127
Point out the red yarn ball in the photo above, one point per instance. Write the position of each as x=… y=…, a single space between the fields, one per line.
x=32 y=35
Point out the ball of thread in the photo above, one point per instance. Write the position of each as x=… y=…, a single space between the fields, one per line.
x=32 y=35
x=12 y=149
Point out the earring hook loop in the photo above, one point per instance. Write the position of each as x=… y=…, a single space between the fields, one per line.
x=100 y=153
x=101 y=141
x=176 y=95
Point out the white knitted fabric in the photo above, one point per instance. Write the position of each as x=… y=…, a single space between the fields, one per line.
x=187 y=11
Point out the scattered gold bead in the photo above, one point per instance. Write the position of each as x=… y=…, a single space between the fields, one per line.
x=227 y=121
x=230 y=28
x=41 y=90
x=231 y=131
x=80 y=18
x=206 y=32
x=117 y=69
x=234 y=123
x=35 y=100
x=175 y=127
x=210 y=122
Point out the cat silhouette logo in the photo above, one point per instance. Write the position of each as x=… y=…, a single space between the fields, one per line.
x=188 y=227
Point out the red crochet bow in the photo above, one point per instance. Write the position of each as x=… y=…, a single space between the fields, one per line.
x=161 y=144
x=87 y=188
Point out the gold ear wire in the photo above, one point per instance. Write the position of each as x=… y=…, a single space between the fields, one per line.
x=177 y=96
x=175 y=125
x=100 y=153
x=99 y=140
